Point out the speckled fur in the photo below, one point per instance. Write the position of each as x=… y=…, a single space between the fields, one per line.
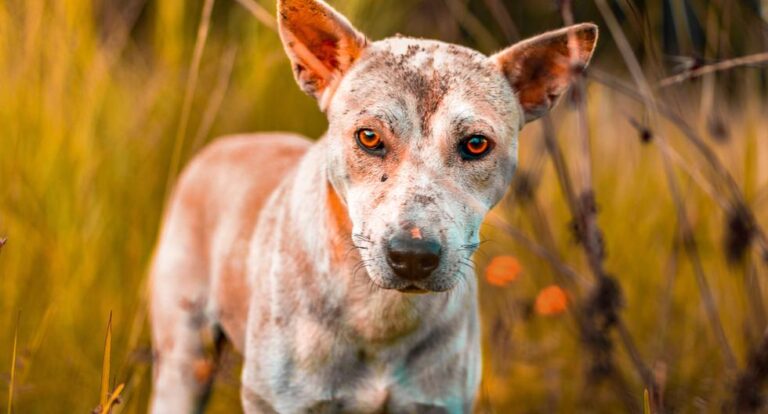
x=279 y=243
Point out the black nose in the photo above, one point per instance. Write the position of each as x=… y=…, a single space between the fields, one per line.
x=413 y=259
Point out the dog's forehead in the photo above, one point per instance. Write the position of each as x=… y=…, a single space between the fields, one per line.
x=422 y=54
x=418 y=64
x=429 y=74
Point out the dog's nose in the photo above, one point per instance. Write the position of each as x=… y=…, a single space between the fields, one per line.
x=413 y=258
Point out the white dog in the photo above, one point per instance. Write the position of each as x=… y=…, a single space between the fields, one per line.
x=339 y=267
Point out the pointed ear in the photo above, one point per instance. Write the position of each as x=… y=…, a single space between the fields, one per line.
x=541 y=67
x=320 y=42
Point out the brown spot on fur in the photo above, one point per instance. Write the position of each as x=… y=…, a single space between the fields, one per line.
x=339 y=216
x=423 y=199
x=203 y=370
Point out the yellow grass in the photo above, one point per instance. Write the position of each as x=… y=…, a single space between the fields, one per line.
x=13 y=368
x=105 y=366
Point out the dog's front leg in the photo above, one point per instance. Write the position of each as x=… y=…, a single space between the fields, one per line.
x=183 y=374
x=181 y=329
x=252 y=403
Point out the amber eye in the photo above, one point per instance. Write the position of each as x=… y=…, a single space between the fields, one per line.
x=369 y=140
x=474 y=147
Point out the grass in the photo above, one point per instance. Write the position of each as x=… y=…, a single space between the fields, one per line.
x=95 y=123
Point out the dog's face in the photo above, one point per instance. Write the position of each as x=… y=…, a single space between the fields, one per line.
x=427 y=139
x=424 y=133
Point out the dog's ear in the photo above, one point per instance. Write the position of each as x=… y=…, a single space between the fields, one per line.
x=540 y=68
x=320 y=42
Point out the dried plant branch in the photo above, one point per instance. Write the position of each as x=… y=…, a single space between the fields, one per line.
x=731 y=189
x=561 y=167
x=114 y=399
x=472 y=24
x=692 y=251
x=601 y=310
x=707 y=298
x=757 y=58
x=105 y=368
x=535 y=248
x=755 y=299
x=13 y=365
x=686 y=229
x=597 y=344
x=600 y=316
x=217 y=97
x=501 y=14
x=260 y=13
x=189 y=93
x=748 y=397
x=637 y=361
x=665 y=303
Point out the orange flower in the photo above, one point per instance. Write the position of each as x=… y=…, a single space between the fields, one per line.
x=502 y=270
x=552 y=300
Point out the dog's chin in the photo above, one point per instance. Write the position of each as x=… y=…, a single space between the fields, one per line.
x=414 y=288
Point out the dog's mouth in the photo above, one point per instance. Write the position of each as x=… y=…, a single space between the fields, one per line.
x=413 y=289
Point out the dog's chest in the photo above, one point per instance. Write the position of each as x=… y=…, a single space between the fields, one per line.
x=349 y=379
x=315 y=369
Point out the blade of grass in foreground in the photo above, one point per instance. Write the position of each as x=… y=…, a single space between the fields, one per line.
x=104 y=394
x=646 y=402
x=113 y=400
x=13 y=365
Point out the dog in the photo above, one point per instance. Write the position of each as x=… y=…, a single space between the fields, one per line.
x=340 y=268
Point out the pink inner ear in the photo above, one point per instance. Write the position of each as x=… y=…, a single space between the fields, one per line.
x=327 y=48
x=319 y=47
x=320 y=42
x=539 y=69
x=544 y=76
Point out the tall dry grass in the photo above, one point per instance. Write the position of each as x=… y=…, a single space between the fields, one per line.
x=101 y=103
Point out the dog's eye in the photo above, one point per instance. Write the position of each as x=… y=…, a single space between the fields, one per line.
x=369 y=140
x=474 y=147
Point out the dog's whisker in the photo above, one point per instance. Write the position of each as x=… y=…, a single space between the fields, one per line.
x=468 y=265
x=361 y=237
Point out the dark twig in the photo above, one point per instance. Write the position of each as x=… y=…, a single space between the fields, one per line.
x=748 y=396
x=472 y=24
x=757 y=58
x=754 y=297
x=689 y=243
x=731 y=189
x=501 y=14
x=601 y=309
x=260 y=13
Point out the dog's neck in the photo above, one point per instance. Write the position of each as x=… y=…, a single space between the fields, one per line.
x=321 y=222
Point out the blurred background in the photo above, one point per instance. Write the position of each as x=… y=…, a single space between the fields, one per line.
x=625 y=271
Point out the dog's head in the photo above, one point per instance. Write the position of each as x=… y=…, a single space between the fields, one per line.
x=423 y=133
